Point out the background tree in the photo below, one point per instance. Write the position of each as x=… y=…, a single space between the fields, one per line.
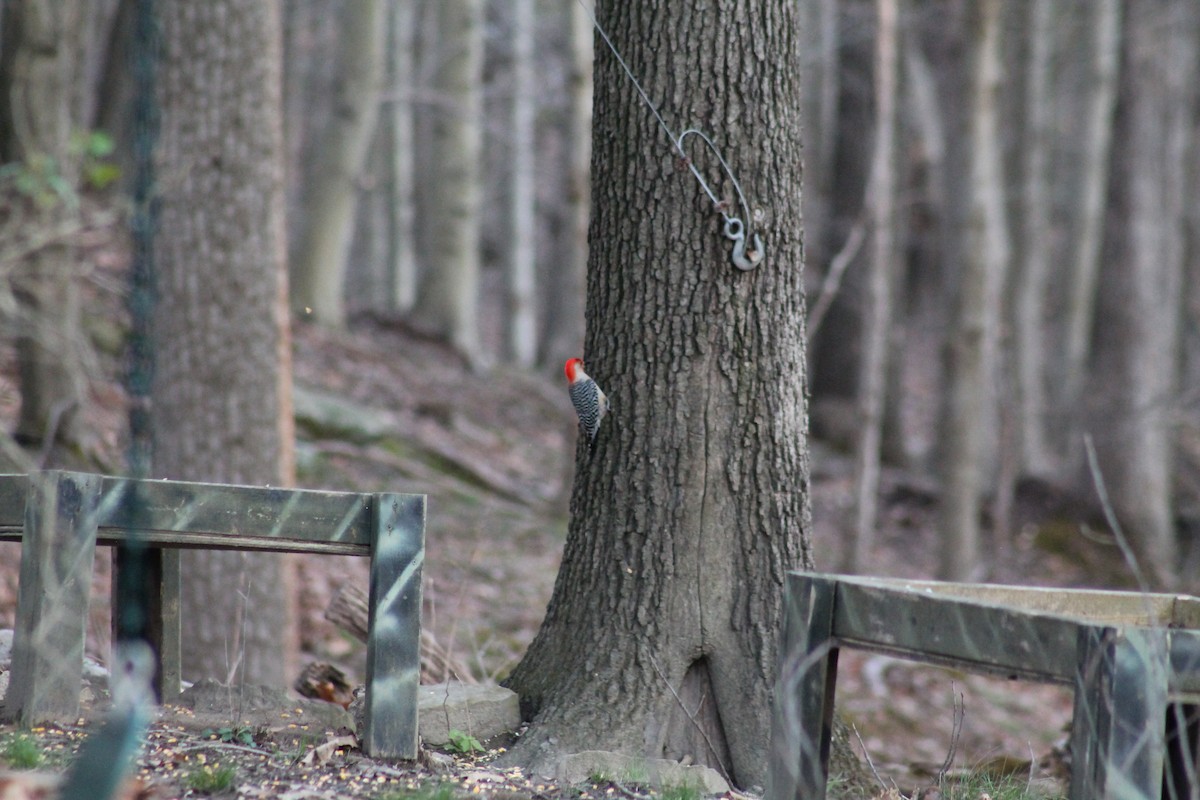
x=881 y=198
x=696 y=500
x=44 y=108
x=1142 y=301
x=970 y=421
x=222 y=385
x=448 y=291
x=331 y=198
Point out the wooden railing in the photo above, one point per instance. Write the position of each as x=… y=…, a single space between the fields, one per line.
x=1133 y=660
x=59 y=518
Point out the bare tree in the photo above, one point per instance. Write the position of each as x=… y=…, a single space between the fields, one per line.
x=562 y=333
x=222 y=386
x=1095 y=148
x=448 y=293
x=1035 y=247
x=970 y=419
x=1142 y=301
x=401 y=67
x=877 y=321
x=319 y=264
x=522 y=230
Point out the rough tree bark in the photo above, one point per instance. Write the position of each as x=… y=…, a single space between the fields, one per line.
x=221 y=396
x=664 y=618
x=319 y=268
x=969 y=426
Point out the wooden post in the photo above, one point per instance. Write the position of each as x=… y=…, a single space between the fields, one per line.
x=1117 y=733
x=58 y=550
x=393 y=650
x=803 y=720
x=161 y=575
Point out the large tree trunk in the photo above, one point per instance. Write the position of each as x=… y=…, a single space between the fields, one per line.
x=448 y=293
x=319 y=271
x=1144 y=292
x=969 y=428
x=222 y=385
x=696 y=500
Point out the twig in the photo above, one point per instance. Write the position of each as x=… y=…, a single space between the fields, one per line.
x=833 y=278
x=867 y=755
x=960 y=712
x=691 y=717
x=1110 y=516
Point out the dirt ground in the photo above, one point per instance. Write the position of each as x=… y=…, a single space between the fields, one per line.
x=498 y=476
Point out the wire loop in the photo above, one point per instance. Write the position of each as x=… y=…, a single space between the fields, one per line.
x=743 y=258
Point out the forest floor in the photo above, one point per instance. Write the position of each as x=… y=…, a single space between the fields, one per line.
x=379 y=408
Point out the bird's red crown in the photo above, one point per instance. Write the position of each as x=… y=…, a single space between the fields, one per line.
x=573 y=367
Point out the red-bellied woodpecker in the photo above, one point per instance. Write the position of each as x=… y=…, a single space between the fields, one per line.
x=590 y=403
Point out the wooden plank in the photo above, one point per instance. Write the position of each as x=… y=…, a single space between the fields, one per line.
x=57 y=555
x=1090 y=605
x=1117 y=733
x=802 y=721
x=393 y=641
x=932 y=627
x=179 y=513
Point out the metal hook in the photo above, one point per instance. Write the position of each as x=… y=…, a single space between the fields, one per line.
x=735 y=229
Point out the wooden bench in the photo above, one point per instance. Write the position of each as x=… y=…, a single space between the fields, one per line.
x=59 y=517
x=1133 y=660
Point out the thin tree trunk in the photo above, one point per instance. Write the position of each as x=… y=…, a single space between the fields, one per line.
x=1095 y=151
x=1144 y=303
x=522 y=231
x=402 y=73
x=221 y=393
x=1033 y=282
x=822 y=83
x=448 y=294
x=970 y=420
x=319 y=270
x=563 y=329
x=877 y=321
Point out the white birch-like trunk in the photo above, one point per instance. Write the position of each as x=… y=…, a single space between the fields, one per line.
x=522 y=195
x=877 y=321
x=319 y=266
x=970 y=421
x=448 y=293
x=1033 y=280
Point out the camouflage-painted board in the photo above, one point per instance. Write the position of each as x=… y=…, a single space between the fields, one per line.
x=1133 y=660
x=59 y=517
